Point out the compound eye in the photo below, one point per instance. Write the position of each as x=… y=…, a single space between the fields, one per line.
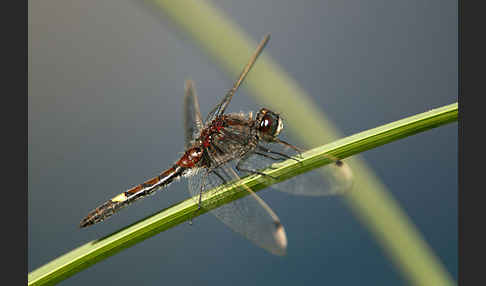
x=266 y=124
x=269 y=124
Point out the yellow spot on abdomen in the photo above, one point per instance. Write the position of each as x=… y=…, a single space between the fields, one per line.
x=120 y=198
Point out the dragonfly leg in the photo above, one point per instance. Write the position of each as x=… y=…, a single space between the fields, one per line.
x=295 y=148
x=266 y=150
x=336 y=161
x=194 y=214
x=199 y=200
x=269 y=157
x=223 y=181
x=239 y=167
x=199 y=205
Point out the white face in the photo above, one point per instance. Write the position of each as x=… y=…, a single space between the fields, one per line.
x=279 y=127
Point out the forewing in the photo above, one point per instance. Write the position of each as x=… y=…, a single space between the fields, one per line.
x=221 y=107
x=249 y=216
x=192 y=116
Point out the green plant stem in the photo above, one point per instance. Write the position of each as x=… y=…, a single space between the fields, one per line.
x=97 y=250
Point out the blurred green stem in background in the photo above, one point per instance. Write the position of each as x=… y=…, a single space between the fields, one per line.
x=231 y=48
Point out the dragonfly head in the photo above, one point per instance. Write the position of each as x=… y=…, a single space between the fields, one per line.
x=269 y=124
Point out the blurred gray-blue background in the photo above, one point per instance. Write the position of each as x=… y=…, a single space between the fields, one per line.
x=106 y=82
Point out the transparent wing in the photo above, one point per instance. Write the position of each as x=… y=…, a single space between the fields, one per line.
x=221 y=107
x=332 y=179
x=192 y=116
x=249 y=216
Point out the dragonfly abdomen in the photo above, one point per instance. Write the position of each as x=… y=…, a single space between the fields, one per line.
x=140 y=191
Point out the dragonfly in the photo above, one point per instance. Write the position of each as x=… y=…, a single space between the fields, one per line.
x=224 y=147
